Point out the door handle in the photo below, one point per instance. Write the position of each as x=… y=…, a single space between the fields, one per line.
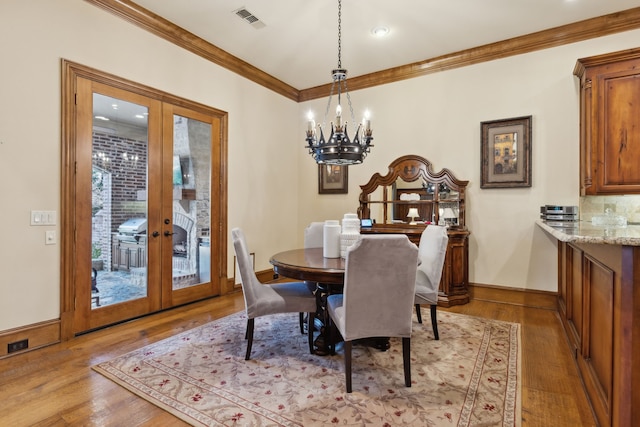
x=155 y=234
x=168 y=233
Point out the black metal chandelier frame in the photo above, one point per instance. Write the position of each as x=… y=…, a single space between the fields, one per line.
x=339 y=149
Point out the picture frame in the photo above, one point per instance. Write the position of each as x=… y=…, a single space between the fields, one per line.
x=333 y=179
x=506 y=153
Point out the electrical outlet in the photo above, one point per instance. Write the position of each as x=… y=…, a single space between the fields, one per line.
x=50 y=237
x=12 y=347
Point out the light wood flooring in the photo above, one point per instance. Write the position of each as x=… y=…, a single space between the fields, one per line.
x=55 y=386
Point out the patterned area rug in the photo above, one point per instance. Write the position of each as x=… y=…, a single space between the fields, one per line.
x=470 y=377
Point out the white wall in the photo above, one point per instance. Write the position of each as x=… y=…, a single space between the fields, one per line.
x=438 y=117
x=34 y=37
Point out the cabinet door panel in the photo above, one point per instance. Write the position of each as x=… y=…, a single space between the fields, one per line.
x=574 y=309
x=620 y=149
x=562 y=280
x=597 y=351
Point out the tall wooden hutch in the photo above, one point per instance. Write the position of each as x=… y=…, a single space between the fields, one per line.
x=439 y=198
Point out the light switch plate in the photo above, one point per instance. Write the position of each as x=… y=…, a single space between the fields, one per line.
x=43 y=218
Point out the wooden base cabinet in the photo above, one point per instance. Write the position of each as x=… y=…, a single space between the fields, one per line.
x=599 y=304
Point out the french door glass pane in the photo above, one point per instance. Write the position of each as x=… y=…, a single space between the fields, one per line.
x=191 y=202
x=119 y=206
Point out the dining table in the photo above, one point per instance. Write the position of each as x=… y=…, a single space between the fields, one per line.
x=310 y=265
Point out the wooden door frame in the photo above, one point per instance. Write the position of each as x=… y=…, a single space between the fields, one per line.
x=70 y=73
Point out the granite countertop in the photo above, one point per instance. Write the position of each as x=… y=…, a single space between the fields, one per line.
x=585 y=232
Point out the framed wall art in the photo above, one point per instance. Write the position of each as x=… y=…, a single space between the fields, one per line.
x=333 y=179
x=506 y=153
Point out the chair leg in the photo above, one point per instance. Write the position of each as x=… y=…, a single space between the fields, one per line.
x=406 y=358
x=310 y=319
x=249 y=337
x=418 y=313
x=330 y=332
x=434 y=321
x=301 y=323
x=347 y=364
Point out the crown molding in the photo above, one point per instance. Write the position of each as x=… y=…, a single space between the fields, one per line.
x=167 y=30
x=554 y=37
x=571 y=33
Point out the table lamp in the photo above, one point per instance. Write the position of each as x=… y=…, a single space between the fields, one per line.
x=413 y=213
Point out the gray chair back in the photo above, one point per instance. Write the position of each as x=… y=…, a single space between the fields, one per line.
x=379 y=287
x=251 y=286
x=431 y=253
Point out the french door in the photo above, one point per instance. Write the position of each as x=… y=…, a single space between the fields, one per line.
x=144 y=215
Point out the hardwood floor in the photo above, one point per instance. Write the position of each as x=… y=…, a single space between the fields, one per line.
x=55 y=386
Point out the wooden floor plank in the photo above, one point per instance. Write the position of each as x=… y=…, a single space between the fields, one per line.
x=55 y=386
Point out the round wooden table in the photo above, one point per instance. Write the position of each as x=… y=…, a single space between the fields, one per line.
x=310 y=265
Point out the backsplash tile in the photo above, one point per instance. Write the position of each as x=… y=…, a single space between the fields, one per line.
x=629 y=206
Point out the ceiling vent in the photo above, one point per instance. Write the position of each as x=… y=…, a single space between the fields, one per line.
x=249 y=17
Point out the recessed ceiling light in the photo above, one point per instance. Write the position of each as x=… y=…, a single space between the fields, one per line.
x=380 y=31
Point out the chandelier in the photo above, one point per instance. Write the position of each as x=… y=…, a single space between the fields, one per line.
x=339 y=149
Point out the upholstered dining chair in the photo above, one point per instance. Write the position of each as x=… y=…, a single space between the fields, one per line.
x=264 y=299
x=431 y=253
x=379 y=288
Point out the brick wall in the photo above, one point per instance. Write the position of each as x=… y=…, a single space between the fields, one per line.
x=126 y=160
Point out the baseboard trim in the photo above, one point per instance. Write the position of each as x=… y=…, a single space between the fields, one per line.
x=515 y=296
x=38 y=335
x=477 y=291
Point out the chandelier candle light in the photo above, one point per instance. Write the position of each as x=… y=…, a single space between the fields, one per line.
x=339 y=149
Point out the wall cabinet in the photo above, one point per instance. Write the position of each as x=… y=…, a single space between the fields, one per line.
x=610 y=123
x=438 y=197
x=599 y=304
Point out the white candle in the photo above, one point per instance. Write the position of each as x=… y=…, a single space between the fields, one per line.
x=338 y=115
x=366 y=122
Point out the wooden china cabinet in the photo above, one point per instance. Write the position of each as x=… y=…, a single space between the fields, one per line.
x=609 y=123
x=438 y=198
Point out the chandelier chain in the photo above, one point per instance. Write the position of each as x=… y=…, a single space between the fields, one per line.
x=326 y=112
x=339 y=34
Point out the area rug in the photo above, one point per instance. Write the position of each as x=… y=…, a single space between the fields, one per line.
x=470 y=377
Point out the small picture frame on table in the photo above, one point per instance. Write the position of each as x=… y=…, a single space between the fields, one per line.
x=506 y=153
x=333 y=179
